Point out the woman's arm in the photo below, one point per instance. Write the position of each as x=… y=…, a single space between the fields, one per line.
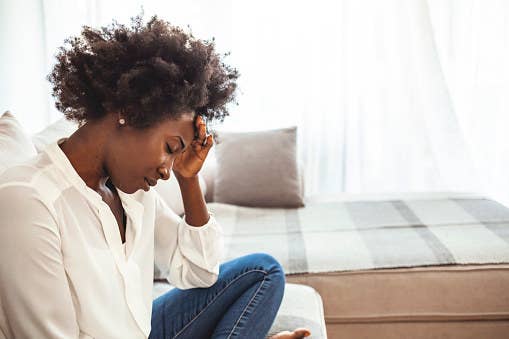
x=186 y=167
x=196 y=213
x=194 y=244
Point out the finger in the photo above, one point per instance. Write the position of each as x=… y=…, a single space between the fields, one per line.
x=202 y=133
x=207 y=146
x=209 y=141
x=200 y=144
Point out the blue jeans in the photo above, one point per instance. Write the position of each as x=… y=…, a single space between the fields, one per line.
x=242 y=303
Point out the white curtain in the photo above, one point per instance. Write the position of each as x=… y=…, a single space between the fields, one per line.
x=389 y=96
x=472 y=39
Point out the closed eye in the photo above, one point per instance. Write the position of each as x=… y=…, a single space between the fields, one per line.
x=168 y=149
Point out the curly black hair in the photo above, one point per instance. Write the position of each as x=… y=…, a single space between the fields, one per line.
x=148 y=72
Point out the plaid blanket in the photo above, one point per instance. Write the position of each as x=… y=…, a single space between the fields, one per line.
x=342 y=236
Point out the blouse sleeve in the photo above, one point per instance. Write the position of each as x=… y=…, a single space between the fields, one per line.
x=35 y=297
x=189 y=256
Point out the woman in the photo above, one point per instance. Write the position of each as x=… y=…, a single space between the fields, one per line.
x=81 y=227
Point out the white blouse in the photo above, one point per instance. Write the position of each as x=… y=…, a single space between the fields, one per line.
x=63 y=271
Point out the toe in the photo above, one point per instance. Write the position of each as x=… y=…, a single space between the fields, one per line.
x=301 y=332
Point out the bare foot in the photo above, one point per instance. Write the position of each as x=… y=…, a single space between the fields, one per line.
x=298 y=333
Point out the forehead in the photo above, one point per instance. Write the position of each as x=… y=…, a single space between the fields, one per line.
x=183 y=127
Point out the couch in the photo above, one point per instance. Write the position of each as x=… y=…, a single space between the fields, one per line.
x=459 y=293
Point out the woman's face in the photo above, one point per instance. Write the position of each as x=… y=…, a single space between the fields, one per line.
x=137 y=158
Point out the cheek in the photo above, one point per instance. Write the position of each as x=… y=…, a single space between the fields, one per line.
x=141 y=159
x=149 y=164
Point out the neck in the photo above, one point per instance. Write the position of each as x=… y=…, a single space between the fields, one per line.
x=86 y=152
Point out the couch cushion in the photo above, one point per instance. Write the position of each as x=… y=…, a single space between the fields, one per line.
x=15 y=144
x=247 y=175
x=51 y=133
x=354 y=235
x=169 y=190
x=301 y=307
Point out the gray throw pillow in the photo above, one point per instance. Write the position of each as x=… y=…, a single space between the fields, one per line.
x=258 y=169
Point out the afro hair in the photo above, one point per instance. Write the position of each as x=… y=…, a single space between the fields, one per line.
x=148 y=72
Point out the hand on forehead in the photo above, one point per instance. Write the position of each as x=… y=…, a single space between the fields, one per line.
x=200 y=129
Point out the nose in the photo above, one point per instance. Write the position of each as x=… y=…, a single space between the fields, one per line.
x=164 y=173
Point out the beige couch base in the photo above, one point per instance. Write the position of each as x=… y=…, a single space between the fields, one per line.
x=419 y=330
x=454 y=301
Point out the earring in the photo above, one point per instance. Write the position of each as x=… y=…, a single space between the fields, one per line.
x=121 y=121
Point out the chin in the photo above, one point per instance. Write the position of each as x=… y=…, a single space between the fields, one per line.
x=129 y=190
x=133 y=189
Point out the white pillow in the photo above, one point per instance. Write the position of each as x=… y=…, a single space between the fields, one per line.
x=59 y=129
x=15 y=144
x=169 y=190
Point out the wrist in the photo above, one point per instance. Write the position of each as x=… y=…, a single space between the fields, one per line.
x=183 y=179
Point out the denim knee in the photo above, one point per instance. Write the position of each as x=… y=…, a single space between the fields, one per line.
x=269 y=264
